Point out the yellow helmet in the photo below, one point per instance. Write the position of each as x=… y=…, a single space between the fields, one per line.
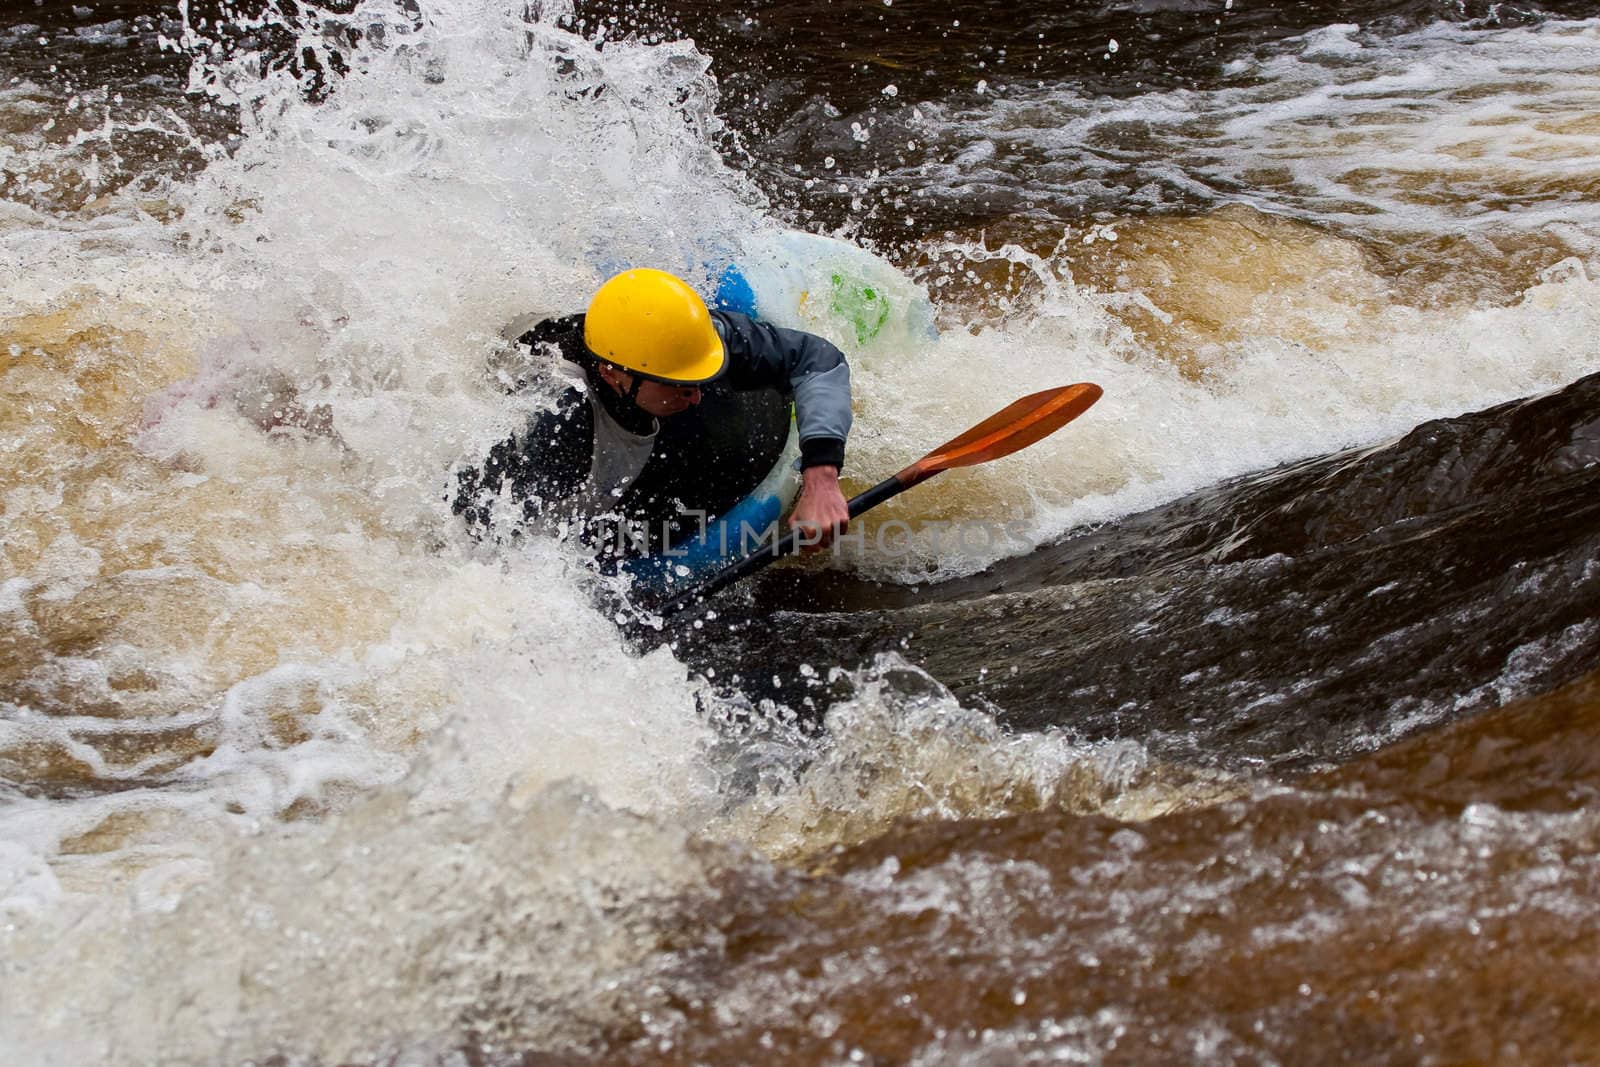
x=653 y=324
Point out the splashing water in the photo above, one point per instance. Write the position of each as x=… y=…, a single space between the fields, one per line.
x=230 y=571
x=288 y=742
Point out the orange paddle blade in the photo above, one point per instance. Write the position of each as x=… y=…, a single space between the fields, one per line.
x=1030 y=419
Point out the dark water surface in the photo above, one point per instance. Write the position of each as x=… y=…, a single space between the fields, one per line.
x=797 y=77
x=1417 y=906
x=1285 y=619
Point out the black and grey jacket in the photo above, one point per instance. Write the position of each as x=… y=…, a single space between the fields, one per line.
x=596 y=460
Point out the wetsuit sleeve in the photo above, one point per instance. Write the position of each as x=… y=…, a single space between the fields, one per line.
x=539 y=467
x=801 y=365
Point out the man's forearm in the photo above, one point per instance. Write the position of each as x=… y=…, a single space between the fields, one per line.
x=822 y=410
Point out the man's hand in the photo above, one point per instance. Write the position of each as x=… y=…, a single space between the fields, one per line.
x=821 y=514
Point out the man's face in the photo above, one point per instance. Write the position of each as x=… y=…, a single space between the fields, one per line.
x=661 y=399
x=656 y=398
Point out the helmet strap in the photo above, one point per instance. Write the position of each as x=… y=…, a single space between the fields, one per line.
x=633 y=390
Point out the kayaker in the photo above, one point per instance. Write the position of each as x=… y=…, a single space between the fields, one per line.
x=645 y=355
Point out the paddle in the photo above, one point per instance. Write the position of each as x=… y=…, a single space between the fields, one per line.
x=1030 y=419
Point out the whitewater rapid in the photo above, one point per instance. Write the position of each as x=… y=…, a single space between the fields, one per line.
x=266 y=702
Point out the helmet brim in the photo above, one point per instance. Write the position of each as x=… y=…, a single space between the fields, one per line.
x=703 y=371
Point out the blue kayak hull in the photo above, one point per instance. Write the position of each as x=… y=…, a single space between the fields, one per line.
x=729 y=536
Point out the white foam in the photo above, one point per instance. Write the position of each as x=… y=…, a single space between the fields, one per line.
x=390 y=929
x=1157 y=434
x=1445 y=129
x=356 y=258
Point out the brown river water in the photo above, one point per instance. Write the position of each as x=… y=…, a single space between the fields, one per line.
x=1253 y=718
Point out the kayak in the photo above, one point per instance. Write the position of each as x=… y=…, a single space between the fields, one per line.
x=806 y=281
x=720 y=538
x=800 y=281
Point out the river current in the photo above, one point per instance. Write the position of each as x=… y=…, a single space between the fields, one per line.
x=1267 y=733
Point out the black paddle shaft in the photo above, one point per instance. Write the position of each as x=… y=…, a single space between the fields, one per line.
x=773 y=551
